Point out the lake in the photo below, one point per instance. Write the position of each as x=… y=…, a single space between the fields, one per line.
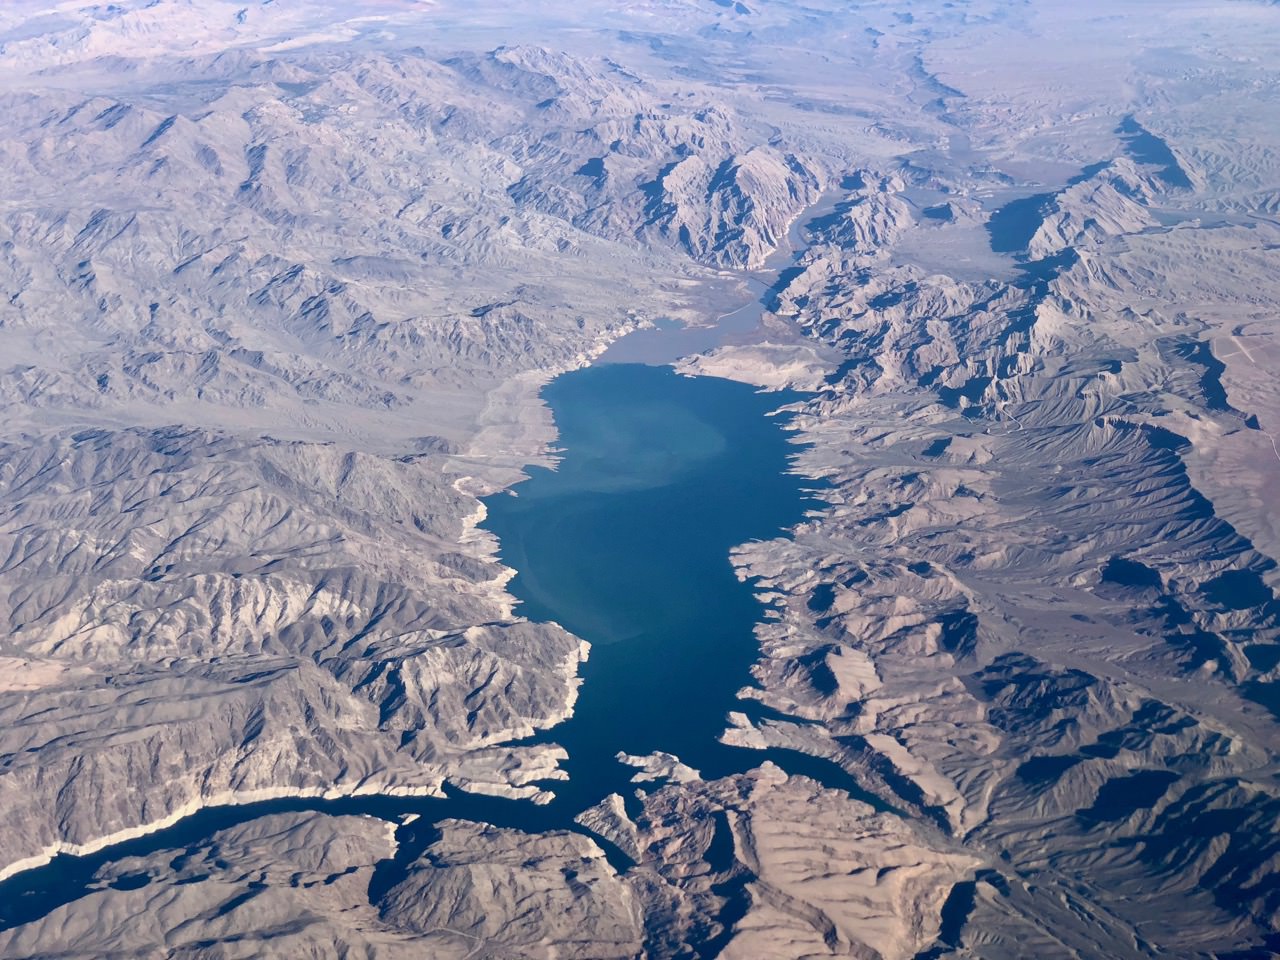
x=626 y=543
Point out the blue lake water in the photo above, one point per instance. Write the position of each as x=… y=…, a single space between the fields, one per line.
x=626 y=543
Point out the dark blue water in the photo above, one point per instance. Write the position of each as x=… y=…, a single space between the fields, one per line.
x=1011 y=227
x=1145 y=147
x=627 y=543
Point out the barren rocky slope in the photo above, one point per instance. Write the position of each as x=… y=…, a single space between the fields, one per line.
x=269 y=329
x=281 y=282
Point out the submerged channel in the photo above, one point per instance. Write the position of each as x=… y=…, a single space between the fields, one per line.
x=626 y=542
